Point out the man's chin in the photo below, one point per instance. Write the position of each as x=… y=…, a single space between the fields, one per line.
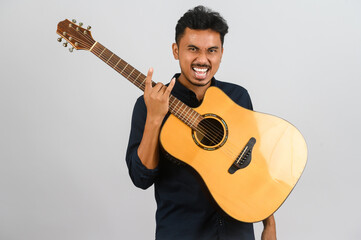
x=200 y=82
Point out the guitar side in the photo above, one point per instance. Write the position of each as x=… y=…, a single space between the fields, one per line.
x=278 y=157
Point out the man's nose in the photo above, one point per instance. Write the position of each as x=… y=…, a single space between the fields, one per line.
x=202 y=58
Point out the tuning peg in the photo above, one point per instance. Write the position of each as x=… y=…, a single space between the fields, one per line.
x=65 y=44
x=71 y=49
x=74 y=21
x=59 y=39
x=80 y=24
x=89 y=27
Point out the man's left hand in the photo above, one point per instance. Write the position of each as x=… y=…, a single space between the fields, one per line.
x=269 y=231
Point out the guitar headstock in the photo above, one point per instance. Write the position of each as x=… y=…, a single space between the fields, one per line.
x=79 y=37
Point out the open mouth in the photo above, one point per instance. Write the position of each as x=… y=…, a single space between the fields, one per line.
x=200 y=72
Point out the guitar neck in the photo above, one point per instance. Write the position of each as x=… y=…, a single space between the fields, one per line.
x=186 y=114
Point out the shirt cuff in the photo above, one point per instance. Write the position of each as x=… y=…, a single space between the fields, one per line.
x=144 y=172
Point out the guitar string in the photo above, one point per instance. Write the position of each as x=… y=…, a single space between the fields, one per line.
x=203 y=131
x=200 y=129
x=218 y=135
x=216 y=132
x=187 y=111
x=215 y=138
x=91 y=40
x=130 y=76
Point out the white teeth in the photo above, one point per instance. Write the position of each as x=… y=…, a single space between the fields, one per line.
x=201 y=69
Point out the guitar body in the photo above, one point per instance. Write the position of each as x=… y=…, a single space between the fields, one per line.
x=278 y=157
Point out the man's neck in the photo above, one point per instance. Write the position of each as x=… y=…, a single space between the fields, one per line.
x=198 y=90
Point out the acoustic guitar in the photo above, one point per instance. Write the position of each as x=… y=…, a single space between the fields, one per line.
x=249 y=161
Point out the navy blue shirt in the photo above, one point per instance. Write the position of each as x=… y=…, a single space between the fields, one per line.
x=185 y=208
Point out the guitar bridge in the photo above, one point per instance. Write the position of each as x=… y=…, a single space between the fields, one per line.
x=244 y=159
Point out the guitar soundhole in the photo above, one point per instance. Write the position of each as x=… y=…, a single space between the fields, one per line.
x=211 y=132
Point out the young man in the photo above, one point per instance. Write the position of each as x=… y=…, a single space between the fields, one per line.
x=185 y=209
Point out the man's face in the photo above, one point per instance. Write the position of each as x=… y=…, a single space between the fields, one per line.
x=199 y=53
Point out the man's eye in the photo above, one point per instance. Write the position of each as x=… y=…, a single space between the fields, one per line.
x=212 y=50
x=192 y=49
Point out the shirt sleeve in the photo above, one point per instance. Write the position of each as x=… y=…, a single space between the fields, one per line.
x=246 y=101
x=141 y=176
x=239 y=95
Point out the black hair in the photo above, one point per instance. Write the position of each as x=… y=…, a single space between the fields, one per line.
x=201 y=18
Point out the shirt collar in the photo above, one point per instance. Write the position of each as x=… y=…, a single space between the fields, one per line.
x=185 y=95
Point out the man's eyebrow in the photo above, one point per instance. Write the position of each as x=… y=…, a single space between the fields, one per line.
x=193 y=46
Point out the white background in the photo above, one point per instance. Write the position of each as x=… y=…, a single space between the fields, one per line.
x=65 y=117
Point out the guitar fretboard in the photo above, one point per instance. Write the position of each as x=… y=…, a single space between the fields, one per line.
x=176 y=107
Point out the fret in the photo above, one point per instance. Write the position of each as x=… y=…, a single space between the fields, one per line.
x=109 y=58
x=176 y=106
x=102 y=52
x=195 y=114
x=93 y=46
x=172 y=100
x=124 y=68
x=143 y=81
x=137 y=77
x=117 y=63
x=183 y=109
x=130 y=73
x=198 y=115
x=186 y=113
x=96 y=48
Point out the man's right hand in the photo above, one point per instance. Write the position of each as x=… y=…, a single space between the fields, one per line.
x=156 y=98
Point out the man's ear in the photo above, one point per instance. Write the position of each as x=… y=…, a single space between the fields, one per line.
x=175 y=51
x=222 y=53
